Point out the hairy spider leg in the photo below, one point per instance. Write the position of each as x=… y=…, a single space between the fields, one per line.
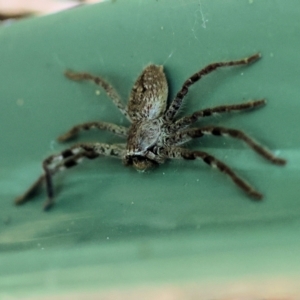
x=65 y=160
x=176 y=103
x=47 y=176
x=110 y=91
x=118 y=130
x=185 y=136
x=31 y=191
x=178 y=153
x=188 y=120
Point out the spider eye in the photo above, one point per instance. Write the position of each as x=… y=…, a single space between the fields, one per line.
x=142 y=163
x=128 y=161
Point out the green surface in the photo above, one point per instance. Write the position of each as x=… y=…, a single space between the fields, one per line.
x=182 y=221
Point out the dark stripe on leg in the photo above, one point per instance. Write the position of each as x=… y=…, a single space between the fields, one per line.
x=67 y=153
x=188 y=120
x=74 y=131
x=31 y=191
x=213 y=162
x=70 y=163
x=221 y=131
x=176 y=103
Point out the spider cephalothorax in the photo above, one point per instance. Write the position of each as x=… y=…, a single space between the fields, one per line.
x=155 y=134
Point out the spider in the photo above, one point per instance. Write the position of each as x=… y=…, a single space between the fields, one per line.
x=155 y=134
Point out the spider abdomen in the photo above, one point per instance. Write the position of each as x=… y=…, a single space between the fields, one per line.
x=148 y=98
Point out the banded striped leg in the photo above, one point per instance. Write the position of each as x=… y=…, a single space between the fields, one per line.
x=67 y=159
x=188 y=120
x=189 y=134
x=47 y=176
x=118 y=130
x=110 y=91
x=215 y=163
x=176 y=104
x=31 y=191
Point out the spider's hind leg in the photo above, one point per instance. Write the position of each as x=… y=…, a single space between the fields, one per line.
x=73 y=132
x=177 y=102
x=110 y=91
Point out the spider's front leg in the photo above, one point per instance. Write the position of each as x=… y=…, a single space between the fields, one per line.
x=67 y=159
x=32 y=190
x=181 y=153
x=52 y=165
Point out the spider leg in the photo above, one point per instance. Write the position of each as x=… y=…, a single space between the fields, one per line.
x=178 y=153
x=176 y=103
x=110 y=91
x=31 y=191
x=184 y=136
x=118 y=130
x=47 y=176
x=188 y=120
x=67 y=159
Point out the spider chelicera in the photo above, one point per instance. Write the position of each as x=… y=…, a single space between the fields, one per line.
x=155 y=134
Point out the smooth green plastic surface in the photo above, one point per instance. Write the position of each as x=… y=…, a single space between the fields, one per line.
x=182 y=222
